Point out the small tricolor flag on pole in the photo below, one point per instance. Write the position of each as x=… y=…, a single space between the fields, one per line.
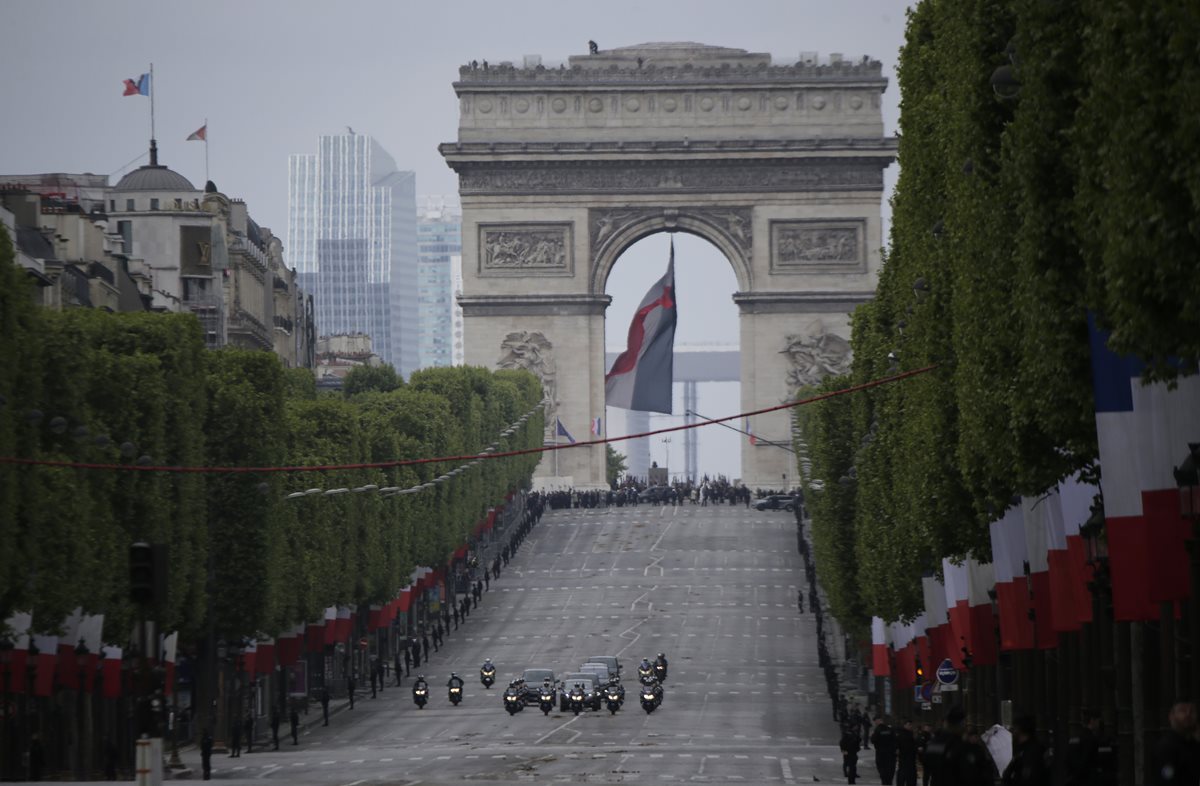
x=137 y=87
x=750 y=433
x=562 y=432
x=199 y=135
x=597 y=426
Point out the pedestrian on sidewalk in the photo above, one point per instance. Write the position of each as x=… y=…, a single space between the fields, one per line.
x=350 y=686
x=374 y=679
x=455 y=605
x=294 y=718
x=381 y=672
x=206 y=748
x=37 y=757
x=325 y=705
x=416 y=652
x=906 y=754
x=849 y=745
x=1028 y=765
x=235 y=744
x=425 y=647
x=800 y=599
x=884 y=740
x=446 y=619
x=407 y=661
x=398 y=667
x=275 y=727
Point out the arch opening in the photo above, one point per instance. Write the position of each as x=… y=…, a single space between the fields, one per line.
x=707 y=340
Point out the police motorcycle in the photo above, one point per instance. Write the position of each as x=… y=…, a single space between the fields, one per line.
x=651 y=696
x=455 y=684
x=614 y=696
x=546 y=698
x=513 y=698
x=420 y=692
x=487 y=673
x=576 y=699
x=660 y=667
x=645 y=672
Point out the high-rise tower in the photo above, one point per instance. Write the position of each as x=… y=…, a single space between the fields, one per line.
x=439 y=252
x=352 y=237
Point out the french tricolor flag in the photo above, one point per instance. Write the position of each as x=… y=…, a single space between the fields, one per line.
x=1143 y=432
x=47 y=651
x=1060 y=590
x=331 y=614
x=970 y=609
x=18 y=627
x=906 y=657
x=111 y=673
x=937 y=622
x=1009 y=555
x=597 y=427
x=137 y=87
x=641 y=376
x=880 y=658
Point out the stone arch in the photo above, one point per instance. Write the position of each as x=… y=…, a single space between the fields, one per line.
x=563 y=169
x=709 y=224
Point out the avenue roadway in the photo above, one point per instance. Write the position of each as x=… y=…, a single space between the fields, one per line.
x=712 y=587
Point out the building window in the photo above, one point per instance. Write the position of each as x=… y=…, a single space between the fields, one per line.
x=154 y=204
x=129 y=205
x=112 y=205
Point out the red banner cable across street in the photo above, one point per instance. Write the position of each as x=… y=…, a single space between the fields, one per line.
x=467 y=457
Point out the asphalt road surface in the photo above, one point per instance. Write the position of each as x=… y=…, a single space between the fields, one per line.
x=712 y=587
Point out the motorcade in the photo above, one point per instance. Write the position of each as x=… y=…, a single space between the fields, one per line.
x=776 y=502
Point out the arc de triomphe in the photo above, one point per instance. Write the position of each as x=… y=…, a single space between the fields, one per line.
x=563 y=168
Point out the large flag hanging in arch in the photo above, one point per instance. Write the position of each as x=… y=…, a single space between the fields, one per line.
x=641 y=376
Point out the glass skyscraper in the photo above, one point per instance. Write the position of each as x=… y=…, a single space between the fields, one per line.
x=352 y=236
x=439 y=279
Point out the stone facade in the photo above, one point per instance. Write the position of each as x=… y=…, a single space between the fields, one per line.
x=562 y=169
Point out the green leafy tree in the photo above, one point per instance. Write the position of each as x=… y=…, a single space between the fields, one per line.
x=615 y=464
x=364 y=378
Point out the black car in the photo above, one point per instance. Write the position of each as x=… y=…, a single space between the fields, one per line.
x=533 y=684
x=776 y=502
x=657 y=494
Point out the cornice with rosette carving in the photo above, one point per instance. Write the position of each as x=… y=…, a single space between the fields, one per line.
x=670 y=177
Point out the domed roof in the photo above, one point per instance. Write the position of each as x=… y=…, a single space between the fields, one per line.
x=154 y=177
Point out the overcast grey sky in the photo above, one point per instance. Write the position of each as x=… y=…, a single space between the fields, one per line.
x=270 y=76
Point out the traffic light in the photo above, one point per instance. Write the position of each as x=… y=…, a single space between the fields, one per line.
x=920 y=673
x=147 y=573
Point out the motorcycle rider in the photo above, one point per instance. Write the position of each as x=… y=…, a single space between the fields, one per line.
x=615 y=682
x=418 y=686
x=487 y=667
x=645 y=671
x=662 y=659
x=455 y=681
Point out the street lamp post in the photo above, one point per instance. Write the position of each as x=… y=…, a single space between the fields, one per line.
x=6 y=659
x=667 y=459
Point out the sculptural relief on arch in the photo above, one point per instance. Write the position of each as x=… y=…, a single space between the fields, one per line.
x=777 y=164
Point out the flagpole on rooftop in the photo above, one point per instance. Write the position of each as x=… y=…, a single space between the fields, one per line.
x=152 y=101
x=206 y=177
